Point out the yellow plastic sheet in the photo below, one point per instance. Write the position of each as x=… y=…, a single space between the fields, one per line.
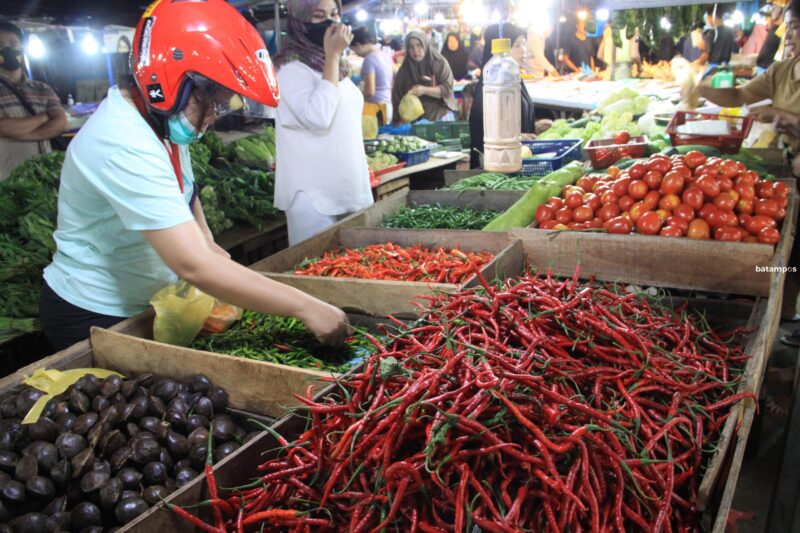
x=54 y=382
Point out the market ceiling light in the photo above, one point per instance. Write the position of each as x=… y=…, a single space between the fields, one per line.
x=665 y=24
x=473 y=12
x=495 y=17
x=562 y=19
x=737 y=17
x=89 y=44
x=421 y=8
x=361 y=15
x=438 y=17
x=35 y=47
x=582 y=14
x=602 y=15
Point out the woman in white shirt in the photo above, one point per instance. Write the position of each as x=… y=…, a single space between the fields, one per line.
x=321 y=169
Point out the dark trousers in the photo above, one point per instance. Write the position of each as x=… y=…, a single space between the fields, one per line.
x=65 y=324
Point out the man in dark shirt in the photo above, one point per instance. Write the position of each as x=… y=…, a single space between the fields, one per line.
x=580 y=49
x=766 y=56
x=720 y=42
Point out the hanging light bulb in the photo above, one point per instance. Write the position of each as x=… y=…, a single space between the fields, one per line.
x=35 y=47
x=582 y=14
x=602 y=14
x=89 y=44
x=665 y=24
x=361 y=15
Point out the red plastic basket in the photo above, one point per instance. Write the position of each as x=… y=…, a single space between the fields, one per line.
x=604 y=153
x=727 y=144
x=375 y=175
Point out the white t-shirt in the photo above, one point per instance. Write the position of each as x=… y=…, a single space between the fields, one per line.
x=319 y=143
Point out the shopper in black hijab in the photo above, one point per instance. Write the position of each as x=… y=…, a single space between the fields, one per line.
x=519 y=47
x=456 y=55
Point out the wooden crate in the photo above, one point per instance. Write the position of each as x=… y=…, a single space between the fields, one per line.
x=374 y=215
x=726 y=267
x=103 y=351
x=382 y=298
x=240 y=467
x=248 y=245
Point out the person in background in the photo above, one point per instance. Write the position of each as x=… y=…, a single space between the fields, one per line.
x=322 y=172
x=475 y=55
x=456 y=55
x=537 y=64
x=24 y=135
x=425 y=74
x=740 y=37
x=690 y=46
x=719 y=42
x=129 y=218
x=768 y=51
x=753 y=44
x=580 y=49
x=519 y=51
x=392 y=42
x=377 y=71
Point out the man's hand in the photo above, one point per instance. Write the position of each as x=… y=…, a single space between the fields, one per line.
x=788 y=123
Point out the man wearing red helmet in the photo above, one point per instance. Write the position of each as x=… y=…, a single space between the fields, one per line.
x=128 y=216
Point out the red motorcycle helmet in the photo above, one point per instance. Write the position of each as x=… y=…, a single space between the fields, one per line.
x=181 y=43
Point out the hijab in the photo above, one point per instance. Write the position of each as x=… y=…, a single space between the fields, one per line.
x=434 y=67
x=298 y=47
x=457 y=59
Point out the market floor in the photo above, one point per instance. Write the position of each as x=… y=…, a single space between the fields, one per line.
x=759 y=472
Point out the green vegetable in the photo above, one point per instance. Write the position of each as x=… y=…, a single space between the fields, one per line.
x=380 y=160
x=522 y=213
x=494 y=181
x=709 y=151
x=284 y=341
x=439 y=217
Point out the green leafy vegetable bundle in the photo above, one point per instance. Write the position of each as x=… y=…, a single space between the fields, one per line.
x=439 y=217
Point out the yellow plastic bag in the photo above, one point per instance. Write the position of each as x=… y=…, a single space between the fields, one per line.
x=181 y=311
x=369 y=126
x=55 y=382
x=410 y=108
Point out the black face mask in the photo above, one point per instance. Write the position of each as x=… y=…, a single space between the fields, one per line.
x=315 y=31
x=10 y=58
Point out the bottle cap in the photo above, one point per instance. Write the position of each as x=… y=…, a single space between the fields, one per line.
x=501 y=46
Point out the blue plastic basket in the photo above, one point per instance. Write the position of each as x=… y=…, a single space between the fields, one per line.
x=567 y=150
x=413 y=158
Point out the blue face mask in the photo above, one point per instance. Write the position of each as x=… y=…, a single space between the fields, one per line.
x=181 y=131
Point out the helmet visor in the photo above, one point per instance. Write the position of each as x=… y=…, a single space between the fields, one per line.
x=217 y=98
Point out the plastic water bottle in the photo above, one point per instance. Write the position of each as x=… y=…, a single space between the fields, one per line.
x=70 y=100
x=501 y=111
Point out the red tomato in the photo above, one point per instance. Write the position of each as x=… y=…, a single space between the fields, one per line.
x=596 y=223
x=660 y=164
x=677 y=222
x=765 y=190
x=780 y=189
x=766 y=207
x=573 y=200
x=613 y=171
x=729 y=169
x=730 y=219
x=750 y=238
x=769 y=236
x=618 y=226
x=744 y=207
x=664 y=214
x=586 y=183
x=758 y=222
x=637 y=170
x=653 y=179
x=626 y=202
x=715 y=217
x=745 y=191
x=743 y=219
x=671 y=231
x=693 y=197
x=706 y=169
x=592 y=200
x=548 y=224
x=782 y=201
x=583 y=213
x=609 y=197
x=725 y=184
x=699 y=229
x=651 y=199
x=749 y=177
x=683 y=211
x=638 y=189
x=556 y=203
x=725 y=201
x=608 y=211
x=600 y=188
x=694 y=159
x=620 y=186
x=560 y=227
x=672 y=184
x=637 y=210
x=727 y=234
x=545 y=213
x=649 y=223
x=564 y=215
x=709 y=186
x=622 y=137
x=684 y=171
x=669 y=202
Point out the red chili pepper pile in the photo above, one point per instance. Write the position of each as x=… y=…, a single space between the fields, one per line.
x=392 y=262
x=537 y=405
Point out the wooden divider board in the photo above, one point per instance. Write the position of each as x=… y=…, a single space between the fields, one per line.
x=255 y=386
x=377 y=297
